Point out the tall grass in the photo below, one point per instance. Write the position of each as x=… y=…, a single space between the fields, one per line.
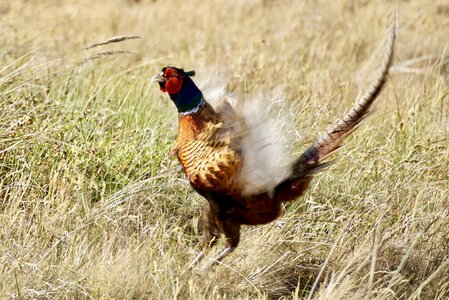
x=92 y=207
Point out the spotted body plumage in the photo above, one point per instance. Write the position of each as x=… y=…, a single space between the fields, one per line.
x=208 y=152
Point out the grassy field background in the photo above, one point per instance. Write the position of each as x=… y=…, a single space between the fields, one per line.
x=91 y=206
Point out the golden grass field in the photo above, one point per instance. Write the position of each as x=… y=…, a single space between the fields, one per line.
x=92 y=207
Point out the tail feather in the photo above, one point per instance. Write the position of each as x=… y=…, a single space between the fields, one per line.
x=332 y=139
x=311 y=161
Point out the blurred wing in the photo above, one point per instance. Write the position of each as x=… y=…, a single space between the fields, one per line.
x=267 y=159
x=256 y=132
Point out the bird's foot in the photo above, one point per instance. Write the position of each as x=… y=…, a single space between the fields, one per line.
x=225 y=252
x=196 y=261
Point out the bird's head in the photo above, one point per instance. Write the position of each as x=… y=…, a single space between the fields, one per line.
x=171 y=79
x=180 y=87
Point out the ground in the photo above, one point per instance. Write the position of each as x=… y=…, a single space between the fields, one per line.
x=92 y=207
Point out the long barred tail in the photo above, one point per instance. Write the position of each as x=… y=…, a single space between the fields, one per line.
x=311 y=161
x=332 y=139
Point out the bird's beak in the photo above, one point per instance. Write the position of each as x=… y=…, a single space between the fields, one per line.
x=158 y=78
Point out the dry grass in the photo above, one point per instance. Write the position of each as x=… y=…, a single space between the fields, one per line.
x=92 y=208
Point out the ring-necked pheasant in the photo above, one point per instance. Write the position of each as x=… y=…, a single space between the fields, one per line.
x=209 y=147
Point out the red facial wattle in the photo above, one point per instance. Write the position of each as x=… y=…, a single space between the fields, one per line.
x=173 y=85
x=174 y=81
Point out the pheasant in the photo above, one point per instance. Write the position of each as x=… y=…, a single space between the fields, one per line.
x=209 y=148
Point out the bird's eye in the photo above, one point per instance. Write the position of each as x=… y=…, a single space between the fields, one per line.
x=174 y=75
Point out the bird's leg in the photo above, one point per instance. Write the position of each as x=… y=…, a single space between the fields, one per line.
x=211 y=234
x=232 y=234
x=223 y=254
